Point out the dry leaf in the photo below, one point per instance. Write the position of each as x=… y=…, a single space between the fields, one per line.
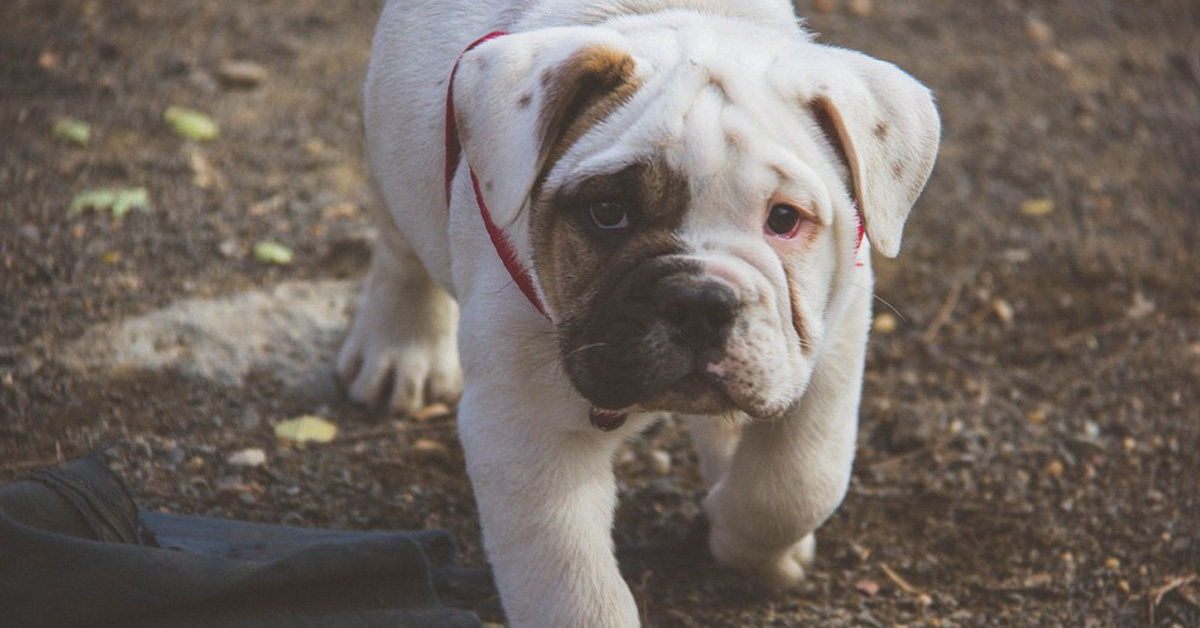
x=191 y=124
x=73 y=130
x=306 y=429
x=272 y=252
x=1037 y=207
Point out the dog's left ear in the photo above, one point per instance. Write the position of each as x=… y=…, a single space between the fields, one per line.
x=886 y=128
x=519 y=99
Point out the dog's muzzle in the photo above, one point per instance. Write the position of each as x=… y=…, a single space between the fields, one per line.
x=651 y=344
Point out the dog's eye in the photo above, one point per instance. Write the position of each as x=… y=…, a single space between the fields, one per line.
x=783 y=220
x=609 y=215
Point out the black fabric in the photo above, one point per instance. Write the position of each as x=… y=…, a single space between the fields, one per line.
x=76 y=552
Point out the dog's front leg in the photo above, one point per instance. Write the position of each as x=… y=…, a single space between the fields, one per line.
x=544 y=484
x=787 y=476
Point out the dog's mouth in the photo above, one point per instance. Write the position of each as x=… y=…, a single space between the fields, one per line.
x=679 y=384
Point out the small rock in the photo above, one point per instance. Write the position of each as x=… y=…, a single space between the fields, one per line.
x=871 y=589
x=175 y=456
x=859 y=8
x=30 y=233
x=251 y=457
x=241 y=74
x=1057 y=59
x=430 y=412
x=1054 y=469
x=195 y=465
x=1112 y=564
x=1038 y=31
x=1004 y=312
x=884 y=324
x=429 y=450
x=660 y=462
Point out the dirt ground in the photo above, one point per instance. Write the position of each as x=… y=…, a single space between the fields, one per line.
x=1029 y=443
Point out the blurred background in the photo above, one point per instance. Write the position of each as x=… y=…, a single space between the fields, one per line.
x=176 y=284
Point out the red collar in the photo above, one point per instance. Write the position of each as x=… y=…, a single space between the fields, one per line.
x=504 y=247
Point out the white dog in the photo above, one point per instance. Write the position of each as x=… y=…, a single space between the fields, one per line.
x=626 y=208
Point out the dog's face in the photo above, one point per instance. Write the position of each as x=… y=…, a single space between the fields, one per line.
x=689 y=205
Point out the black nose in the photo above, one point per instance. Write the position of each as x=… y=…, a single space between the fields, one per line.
x=700 y=312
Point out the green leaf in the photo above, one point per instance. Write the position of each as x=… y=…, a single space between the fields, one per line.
x=305 y=429
x=73 y=130
x=191 y=124
x=272 y=252
x=119 y=201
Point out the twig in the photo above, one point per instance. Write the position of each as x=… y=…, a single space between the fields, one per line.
x=1158 y=593
x=899 y=580
x=943 y=314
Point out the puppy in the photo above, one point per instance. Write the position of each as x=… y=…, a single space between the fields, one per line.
x=614 y=209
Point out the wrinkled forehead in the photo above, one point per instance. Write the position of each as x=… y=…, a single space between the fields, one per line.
x=720 y=107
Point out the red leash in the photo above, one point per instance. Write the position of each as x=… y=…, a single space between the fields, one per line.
x=499 y=239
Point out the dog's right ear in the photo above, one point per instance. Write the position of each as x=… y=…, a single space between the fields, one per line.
x=520 y=99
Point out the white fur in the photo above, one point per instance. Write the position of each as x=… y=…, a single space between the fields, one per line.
x=722 y=97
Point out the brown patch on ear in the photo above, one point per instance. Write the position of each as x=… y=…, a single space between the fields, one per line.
x=580 y=93
x=824 y=112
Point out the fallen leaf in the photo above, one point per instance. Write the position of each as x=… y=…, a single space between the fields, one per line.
x=1037 y=207
x=119 y=201
x=305 y=429
x=73 y=130
x=272 y=252
x=191 y=124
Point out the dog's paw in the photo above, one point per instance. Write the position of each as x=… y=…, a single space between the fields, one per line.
x=402 y=355
x=777 y=568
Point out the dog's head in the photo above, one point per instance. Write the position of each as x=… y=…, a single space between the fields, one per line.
x=688 y=196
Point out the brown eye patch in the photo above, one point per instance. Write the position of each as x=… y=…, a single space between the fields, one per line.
x=602 y=226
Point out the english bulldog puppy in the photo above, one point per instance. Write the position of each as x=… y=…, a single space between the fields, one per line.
x=611 y=210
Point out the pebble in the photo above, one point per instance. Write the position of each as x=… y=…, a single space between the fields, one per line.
x=251 y=457
x=660 y=462
x=175 y=456
x=429 y=450
x=859 y=8
x=430 y=412
x=242 y=74
x=884 y=324
x=1004 y=312
x=1038 y=31
x=1054 y=469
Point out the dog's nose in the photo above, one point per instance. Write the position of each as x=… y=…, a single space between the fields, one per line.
x=700 y=312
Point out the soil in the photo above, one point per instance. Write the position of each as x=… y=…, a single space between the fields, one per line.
x=1031 y=418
